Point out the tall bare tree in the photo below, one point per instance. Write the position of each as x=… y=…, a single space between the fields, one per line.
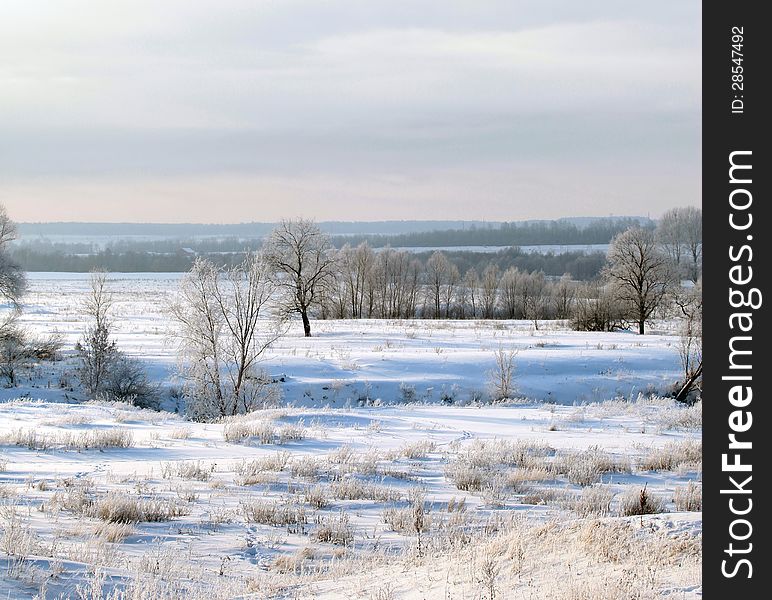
x=489 y=291
x=223 y=332
x=300 y=255
x=680 y=233
x=469 y=294
x=639 y=272
x=532 y=295
x=511 y=285
x=437 y=275
x=563 y=295
x=355 y=265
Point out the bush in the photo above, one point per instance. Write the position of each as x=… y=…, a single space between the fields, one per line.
x=638 y=501
x=501 y=379
x=595 y=309
x=127 y=381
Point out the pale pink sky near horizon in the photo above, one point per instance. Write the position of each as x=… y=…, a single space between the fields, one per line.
x=250 y=110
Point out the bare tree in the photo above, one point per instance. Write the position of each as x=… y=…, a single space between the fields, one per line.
x=511 y=284
x=532 y=294
x=355 y=266
x=489 y=291
x=437 y=270
x=640 y=274
x=299 y=253
x=501 y=379
x=468 y=294
x=14 y=352
x=563 y=296
x=19 y=350
x=199 y=332
x=689 y=302
x=12 y=281
x=692 y=222
x=450 y=289
x=395 y=284
x=223 y=334
x=595 y=308
x=680 y=234
x=96 y=349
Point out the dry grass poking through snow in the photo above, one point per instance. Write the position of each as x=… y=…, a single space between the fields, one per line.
x=93 y=439
x=610 y=559
x=686 y=454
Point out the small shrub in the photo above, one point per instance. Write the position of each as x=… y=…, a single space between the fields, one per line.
x=501 y=379
x=638 y=501
x=407 y=393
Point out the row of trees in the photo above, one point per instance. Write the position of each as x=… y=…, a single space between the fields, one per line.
x=643 y=270
x=308 y=277
x=228 y=316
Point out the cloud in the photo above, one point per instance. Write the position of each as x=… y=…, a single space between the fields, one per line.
x=329 y=91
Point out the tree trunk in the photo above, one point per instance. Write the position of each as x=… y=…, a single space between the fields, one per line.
x=688 y=384
x=306 y=323
x=641 y=325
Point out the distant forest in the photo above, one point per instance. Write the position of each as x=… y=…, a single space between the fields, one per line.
x=580 y=265
x=177 y=255
x=529 y=233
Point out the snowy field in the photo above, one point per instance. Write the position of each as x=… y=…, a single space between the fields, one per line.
x=386 y=474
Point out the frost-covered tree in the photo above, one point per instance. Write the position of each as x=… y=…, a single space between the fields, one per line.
x=489 y=291
x=533 y=289
x=689 y=302
x=301 y=258
x=563 y=295
x=223 y=330
x=439 y=271
x=12 y=281
x=639 y=273
x=680 y=233
x=355 y=266
x=511 y=284
x=97 y=351
x=468 y=294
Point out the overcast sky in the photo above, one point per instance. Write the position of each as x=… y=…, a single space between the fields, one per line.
x=250 y=110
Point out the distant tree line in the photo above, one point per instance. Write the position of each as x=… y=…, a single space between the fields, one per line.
x=531 y=233
x=166 y=255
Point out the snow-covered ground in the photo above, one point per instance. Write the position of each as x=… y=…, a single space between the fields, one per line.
x=350 y=360
x=349 y=491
